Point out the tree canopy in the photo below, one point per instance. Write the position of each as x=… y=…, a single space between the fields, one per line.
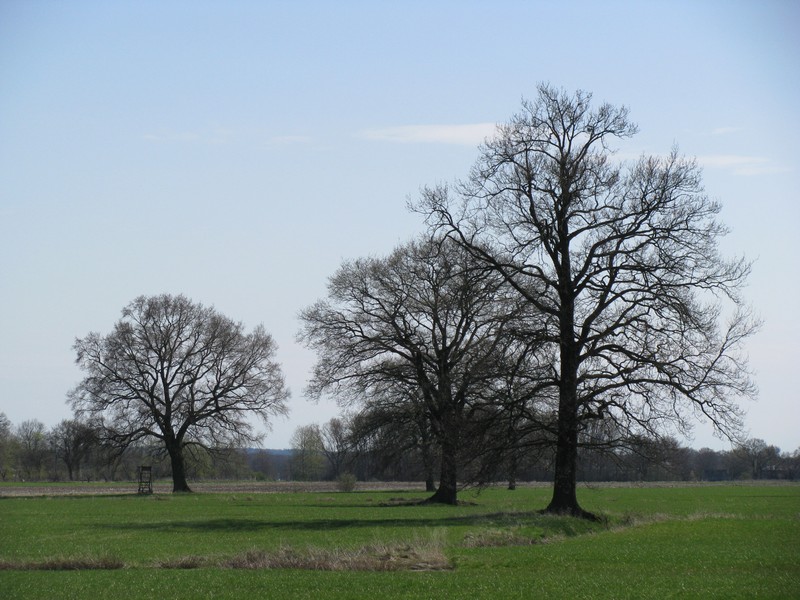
x=424 y=328
x=180 y=373
x=644 y=316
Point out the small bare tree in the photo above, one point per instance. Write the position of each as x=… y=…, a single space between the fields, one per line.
x=308 y=459
x=180 y=373
x=8 y=445
x=72 y=442
x=32 y=450
x=335 y=444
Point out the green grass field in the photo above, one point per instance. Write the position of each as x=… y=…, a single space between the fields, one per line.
x=731 y=541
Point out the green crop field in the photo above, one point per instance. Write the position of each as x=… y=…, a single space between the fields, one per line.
x=694 y=541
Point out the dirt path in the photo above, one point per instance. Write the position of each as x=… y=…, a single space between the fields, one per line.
x=226 y=487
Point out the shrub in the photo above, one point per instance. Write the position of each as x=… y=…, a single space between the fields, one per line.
x=346 y=482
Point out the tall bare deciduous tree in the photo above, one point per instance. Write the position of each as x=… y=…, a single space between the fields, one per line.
x=644 y=313
x=175 y=371
x=428 y=319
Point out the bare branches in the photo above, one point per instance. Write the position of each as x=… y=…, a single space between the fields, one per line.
x=622 y=258
x=426 y=327
x=178 y=372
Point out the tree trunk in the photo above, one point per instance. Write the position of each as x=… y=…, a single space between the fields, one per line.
x=179 y=484
x=565 y=499
x=513 y=464
x=448 y=482
x=428 y=461
x=447 y=493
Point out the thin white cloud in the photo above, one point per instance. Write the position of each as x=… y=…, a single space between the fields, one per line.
x=730 y=161
x=765 y=170
x=470 y=134
x=725 y=130
x=737 y=164
x=741 y=164
x=290 y=139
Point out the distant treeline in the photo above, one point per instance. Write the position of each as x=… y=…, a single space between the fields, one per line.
x=74 y=451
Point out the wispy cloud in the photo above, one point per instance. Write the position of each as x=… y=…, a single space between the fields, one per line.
x=737 y=164
x=729 y=161
x=741 y=165
x=725 y=130
x=290 y=139
x=470 y=134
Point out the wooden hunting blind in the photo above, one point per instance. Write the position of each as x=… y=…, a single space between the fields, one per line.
x=145 y=480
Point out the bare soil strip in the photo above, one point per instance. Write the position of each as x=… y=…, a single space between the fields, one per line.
x=274 y=487
x=223 y=487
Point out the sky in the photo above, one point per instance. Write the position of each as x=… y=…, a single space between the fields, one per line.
x=238 y=152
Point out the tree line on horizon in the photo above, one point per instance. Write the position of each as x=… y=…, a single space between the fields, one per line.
x=73 y=452
x=560 y=303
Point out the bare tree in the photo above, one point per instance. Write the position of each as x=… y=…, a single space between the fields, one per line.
x=308 y=455
x=72 y=442
x=395 y=430
x=261 y=463
x=32 y=451
x=180 y=373
x=335 y=444
x=757 y=456
x=622 y=258
x=426 y=319
x=8 y=447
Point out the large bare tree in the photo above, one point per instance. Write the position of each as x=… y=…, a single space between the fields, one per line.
x=180 y=373
x=427 y=321
x=645 y=315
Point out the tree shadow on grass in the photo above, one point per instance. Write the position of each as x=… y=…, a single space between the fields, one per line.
x=245 y=525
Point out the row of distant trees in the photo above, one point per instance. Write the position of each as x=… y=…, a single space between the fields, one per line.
x=392 y=452
x=353 y=446
x=75 y=450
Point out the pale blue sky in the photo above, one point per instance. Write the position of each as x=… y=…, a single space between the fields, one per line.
x=237 y=152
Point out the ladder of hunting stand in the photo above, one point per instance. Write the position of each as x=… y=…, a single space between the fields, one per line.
x=145 y=480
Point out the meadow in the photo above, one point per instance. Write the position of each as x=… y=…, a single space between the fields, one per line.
x=687 y=541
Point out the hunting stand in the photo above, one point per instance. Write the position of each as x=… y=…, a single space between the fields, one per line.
x=145 y=480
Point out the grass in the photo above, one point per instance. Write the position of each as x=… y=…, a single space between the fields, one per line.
x=734 y=541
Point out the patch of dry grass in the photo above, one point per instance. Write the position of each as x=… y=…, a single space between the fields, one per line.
x=64 y=564
x=413 y=556
x=184 y=562
x=420 y=555
x=493 y=538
